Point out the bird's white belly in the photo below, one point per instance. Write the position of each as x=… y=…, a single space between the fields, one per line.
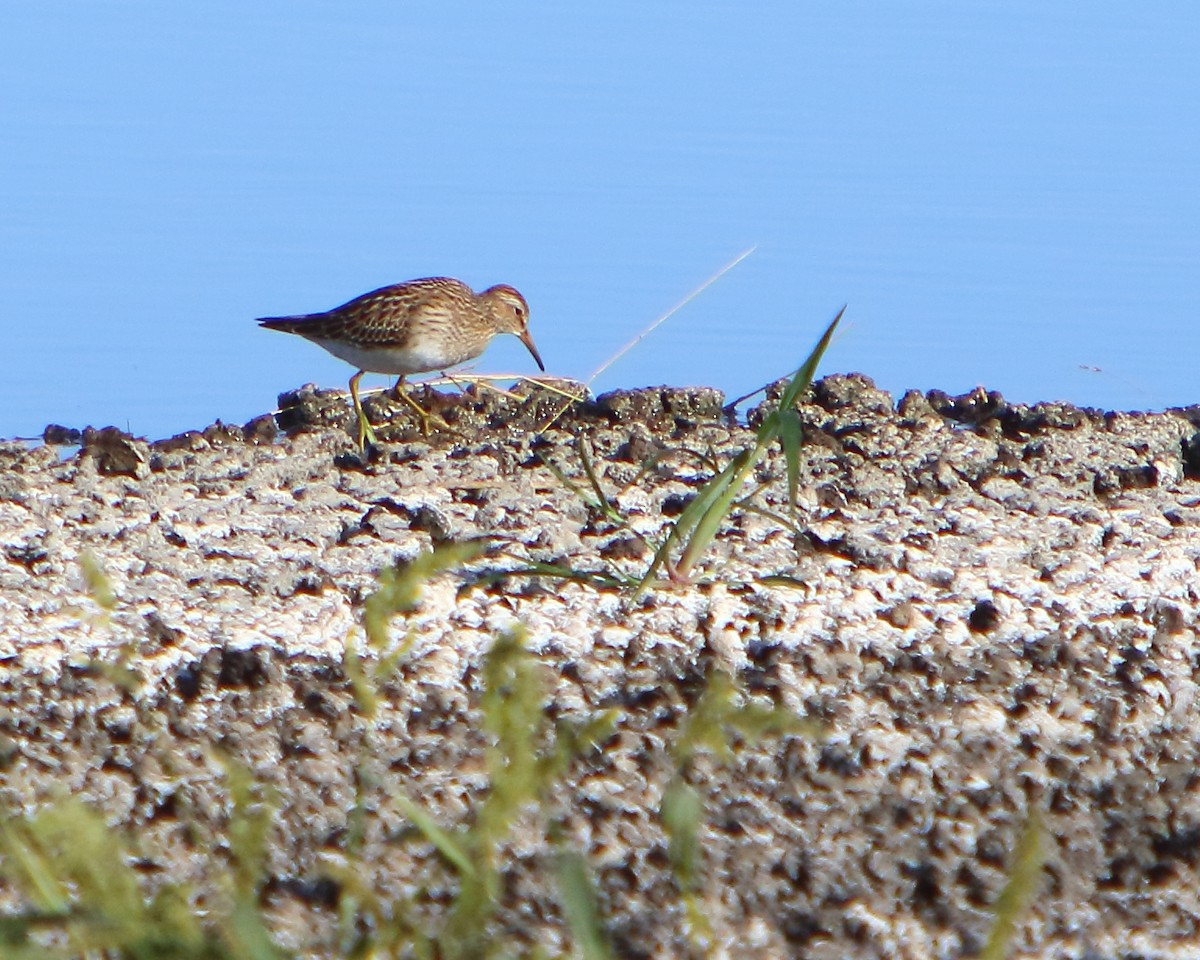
x=391 y=360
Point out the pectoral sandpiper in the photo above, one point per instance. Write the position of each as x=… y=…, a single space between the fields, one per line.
x=412 y=327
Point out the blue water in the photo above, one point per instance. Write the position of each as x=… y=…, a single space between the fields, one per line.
x=1005 y=194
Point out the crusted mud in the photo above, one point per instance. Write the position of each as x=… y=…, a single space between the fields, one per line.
x=990 y=608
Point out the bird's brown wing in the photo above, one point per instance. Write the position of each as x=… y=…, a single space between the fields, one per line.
x=381 y=318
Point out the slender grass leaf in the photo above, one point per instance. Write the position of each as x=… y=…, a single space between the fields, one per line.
x=717 y=509
x=791 y=436
x=400 y=586
x=704 y=726
x=755 y=722
x=29 y=867
x=804 y=376
x=446 y=843
x=250 y=826
x=575 y=739
x=702 y=518
x=569 y=483
x=589 y=471
x=680 y=812
x=691 y=517
x=246 y=934
x=783 y=580
x=579 y=906
x=99 y=586
x=363 y=688
x=747 y=505
x=1018 y=892
x=598 y=578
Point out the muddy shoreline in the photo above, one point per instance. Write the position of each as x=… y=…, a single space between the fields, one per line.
x=988 y=606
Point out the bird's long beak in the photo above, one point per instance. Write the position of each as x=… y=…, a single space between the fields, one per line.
x=526 y=339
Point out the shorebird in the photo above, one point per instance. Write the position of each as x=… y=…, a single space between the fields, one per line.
x=414 y=327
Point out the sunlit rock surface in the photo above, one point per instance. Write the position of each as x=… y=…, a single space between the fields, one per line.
x=988 y=607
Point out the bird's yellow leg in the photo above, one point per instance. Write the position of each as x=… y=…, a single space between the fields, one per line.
x=365 y=432
x=422 y=414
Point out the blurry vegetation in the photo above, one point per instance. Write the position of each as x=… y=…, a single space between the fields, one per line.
x=719 y=717
x=1024 y=875
x=83 y=895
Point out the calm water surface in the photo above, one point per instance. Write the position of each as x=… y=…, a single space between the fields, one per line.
x=1005 y=196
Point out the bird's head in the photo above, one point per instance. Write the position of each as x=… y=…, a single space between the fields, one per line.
x=510 y=313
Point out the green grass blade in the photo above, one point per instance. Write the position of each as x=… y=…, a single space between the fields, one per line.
x=755 y=722
x=703 y=727
x=99 y=586
x=251 y=826
x=444 y=841
x=699 y=523
x=400 y=586
x=1018 y=892
x=30 y=869
x=597 y=578
x=717 y=509
x=246 y=934
x=710 y=494
x=579 y=907
x=680 y=812
x=360 y=684
x=589 y=470
x=570 y=484
x=791 y=436
x=689 y=519
x=804 y=376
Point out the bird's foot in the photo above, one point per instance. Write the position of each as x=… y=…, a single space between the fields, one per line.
x=365 y=431
x=425 y=417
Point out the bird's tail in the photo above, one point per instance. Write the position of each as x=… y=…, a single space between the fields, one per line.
x=286 y=324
